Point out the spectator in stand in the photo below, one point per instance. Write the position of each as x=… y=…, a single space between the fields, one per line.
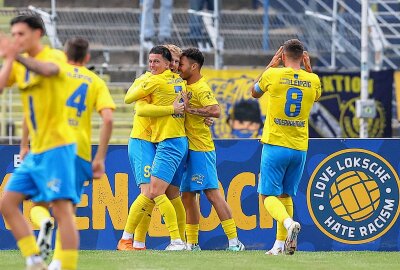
x=165 y=18
x=197 y=33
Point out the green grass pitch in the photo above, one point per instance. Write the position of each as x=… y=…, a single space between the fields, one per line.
x=220 y=260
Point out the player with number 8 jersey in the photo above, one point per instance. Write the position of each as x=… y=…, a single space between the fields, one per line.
x=291 y=94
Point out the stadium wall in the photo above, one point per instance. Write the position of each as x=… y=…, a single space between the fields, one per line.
x=348 y=198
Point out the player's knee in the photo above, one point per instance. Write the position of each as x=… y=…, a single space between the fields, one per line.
x=213 y=196
x=8 y=205
x=154 y=191
x=3 y=207
x=172 y=192
x=145 y=190
x=62 y=209
x=188 y=199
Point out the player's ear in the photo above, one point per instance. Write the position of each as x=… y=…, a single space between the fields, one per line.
x=87 y=58
x=38 y=33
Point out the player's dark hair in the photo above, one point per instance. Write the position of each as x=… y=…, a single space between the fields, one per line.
x=293 y=48
x=76 y=49
x=246 y=110
x=163 y=51
x=33 y=21
x=195 y=55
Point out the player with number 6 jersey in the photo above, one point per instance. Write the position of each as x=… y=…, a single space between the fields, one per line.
x=291 y=93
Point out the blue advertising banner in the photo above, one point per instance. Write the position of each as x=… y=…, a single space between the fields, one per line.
x=348 y=198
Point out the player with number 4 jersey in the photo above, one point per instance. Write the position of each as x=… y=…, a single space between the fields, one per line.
x=291 y=93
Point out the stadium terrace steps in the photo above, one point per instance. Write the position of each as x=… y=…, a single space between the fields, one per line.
x=116 y=31
x=237 y=4
x=123 y=116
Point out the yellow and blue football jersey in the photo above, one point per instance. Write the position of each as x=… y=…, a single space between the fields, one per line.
x=198 y=133
x=86 y=92
x=162 y=89
x=291 y=94
x=43 y=100
x=141 y=125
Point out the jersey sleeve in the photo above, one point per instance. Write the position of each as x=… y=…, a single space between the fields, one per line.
x=58 y=58
x=140 y=90
x=145 y=109
x=104 y=99
x=206 y=97
x=265 y=80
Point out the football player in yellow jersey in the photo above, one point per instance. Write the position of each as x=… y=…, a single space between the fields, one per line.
x=291 y=93
x=201 y=162
x=48 y=171
x=87 y=92
x=162 y=87
x=141 y=153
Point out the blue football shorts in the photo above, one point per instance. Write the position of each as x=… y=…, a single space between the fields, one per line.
x=141 y=155
x=47 y=176
x=83 y=173
x=281 y=170
x=201 y=172
x=169 y=160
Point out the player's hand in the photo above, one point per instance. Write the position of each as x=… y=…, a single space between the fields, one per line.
x=8 y=48
x=23 y=151
x=276 y=60
x=179 y=107
x=98 y=168
x=307 y=62
x=186 y=96
x=5 y=43
x=209 y=121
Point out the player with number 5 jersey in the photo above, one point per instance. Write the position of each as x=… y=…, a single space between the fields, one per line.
x=291 y=94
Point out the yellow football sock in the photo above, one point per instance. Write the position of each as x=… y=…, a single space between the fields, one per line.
x=38 y=214
x=69 y=259
x=57 y=247
x=180 y=215
x=28 y=246
x=143 y=226
x=229 y=227
x=192 y=233
x=136 y=212
x=281 y=232
x=168 y=212
x=276 y=209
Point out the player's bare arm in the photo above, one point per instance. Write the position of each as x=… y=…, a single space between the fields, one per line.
x=275 y=62
x=46 y=69
x=307 y=62
x=98 y=166
x=8 y=52
x=208 y=111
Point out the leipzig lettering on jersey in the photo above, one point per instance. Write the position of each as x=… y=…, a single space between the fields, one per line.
x=295 y=82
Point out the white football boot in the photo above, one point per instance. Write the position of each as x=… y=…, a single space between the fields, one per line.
x=291 y=240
